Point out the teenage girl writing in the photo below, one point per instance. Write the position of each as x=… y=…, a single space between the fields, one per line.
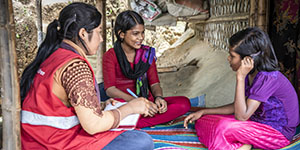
x=130 y=64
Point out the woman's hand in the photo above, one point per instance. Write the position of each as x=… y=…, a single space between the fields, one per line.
x=192 y=117
x=161 y=104
x=111 y=101
x=141 y=106
x=247 y=65
x=153 y=109
x=107 y=102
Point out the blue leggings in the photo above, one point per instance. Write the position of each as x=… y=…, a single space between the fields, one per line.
x=131 y=140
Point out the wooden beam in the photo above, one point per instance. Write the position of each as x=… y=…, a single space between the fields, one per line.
x=259 y=14
x=101 y=6
x=238 y=17
x=167 y=69
x=40 y=37
x=262 y=18
x=196 y=18
x=112 y=32
x=252 y=13
x=10 y=85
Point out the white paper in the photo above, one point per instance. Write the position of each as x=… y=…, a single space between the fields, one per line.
x=130 y=120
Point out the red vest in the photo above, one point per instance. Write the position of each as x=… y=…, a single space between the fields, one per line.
x=46 y=123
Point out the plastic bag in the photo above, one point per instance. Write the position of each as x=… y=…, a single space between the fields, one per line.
x=146 y=8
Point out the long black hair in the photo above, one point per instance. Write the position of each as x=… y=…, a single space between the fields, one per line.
x=125 y=21
x=71 y=19
x=255 y=43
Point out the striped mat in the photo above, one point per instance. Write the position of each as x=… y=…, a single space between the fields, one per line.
x=173 y=136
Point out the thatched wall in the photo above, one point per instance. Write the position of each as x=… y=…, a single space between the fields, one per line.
x=227 y=17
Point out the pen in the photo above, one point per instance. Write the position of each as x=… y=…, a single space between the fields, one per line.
x=128 y=90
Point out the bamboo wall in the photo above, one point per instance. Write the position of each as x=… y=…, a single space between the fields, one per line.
x=227 y=17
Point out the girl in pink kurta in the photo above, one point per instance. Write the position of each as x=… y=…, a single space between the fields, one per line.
x=132 y=65
x=265 y=107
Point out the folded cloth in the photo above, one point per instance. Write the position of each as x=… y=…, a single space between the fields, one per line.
x=198 y=101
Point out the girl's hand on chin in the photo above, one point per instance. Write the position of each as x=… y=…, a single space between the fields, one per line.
x=247 y=65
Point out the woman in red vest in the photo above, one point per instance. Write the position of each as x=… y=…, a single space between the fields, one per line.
x=130 y=66
x=61 y=107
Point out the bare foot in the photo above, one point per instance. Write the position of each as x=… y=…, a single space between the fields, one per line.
x=245 y=147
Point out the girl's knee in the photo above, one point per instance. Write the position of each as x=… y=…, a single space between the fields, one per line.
x=132 y=139
x=183 y=104
x=218 y=122
x=143 y=141
x=222 y=123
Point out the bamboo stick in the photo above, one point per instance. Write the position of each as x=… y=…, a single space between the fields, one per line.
x=39 y=22
x=268 y=3
x=253 y=13
x=10 y=85
x=101 y=6
x=258 y=14
x=262 y=15
x=240 y=17
x=112 y=32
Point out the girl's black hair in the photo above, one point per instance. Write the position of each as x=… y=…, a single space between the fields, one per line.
x=125 y=21
x=255 y=43
x=71 y=19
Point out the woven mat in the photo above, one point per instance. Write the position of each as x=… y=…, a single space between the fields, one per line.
x=173 y=136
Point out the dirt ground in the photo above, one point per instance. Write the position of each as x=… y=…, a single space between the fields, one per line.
x=201 y=70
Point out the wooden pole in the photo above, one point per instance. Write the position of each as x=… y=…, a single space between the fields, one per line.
x=262 y=15
x=112 y=31
x=259 y=15
x=10 y=85
x=225 y=19
x=101 y=6
x=253 y=13
x=39 y=22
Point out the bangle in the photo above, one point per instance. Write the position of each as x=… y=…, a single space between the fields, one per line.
x=117 y=118
x=120 y=114
x=159 y=97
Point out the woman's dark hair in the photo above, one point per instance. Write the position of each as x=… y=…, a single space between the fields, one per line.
x=71 y=19
x=125 y=21
x=255 y=43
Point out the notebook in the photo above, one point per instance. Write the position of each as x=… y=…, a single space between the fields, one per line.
x=129 y=122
